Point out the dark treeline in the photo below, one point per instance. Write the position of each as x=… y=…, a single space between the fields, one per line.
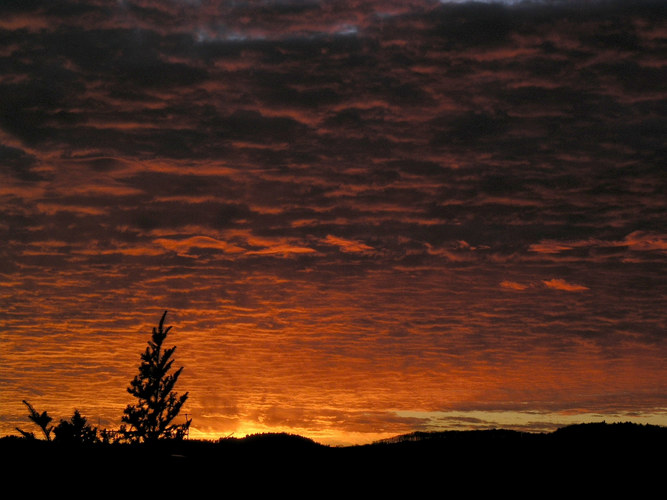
x=594 y=457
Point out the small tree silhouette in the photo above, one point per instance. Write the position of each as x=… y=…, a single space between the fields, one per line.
x=76 y=431
x=42 y=420
x=157 y=406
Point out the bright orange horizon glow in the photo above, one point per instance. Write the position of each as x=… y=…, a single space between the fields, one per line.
x=257 y=382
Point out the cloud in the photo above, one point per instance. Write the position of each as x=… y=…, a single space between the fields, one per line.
x=347 y=245
x=549 y=247
x=643 y=241
x=637 y=241
x=282 y=249
x=513 y=285
x=555 y=284
x=560 y=284
x=20 y=163
x=187 y=245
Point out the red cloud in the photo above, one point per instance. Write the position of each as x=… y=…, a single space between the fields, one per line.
x=513 y=285
x=347 y=245
x=559 y=284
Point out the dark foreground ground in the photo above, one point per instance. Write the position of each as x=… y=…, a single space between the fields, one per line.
x=626 y=460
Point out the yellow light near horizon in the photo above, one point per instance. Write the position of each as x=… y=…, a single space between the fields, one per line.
x=329 y=437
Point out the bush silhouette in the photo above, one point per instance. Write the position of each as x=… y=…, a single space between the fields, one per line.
x=41 y=419
x=157 y=404
x=76 y=431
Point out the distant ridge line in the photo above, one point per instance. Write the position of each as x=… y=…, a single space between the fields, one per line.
x=592 y=429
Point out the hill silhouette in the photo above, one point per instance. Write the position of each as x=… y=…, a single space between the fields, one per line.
x=588 y=457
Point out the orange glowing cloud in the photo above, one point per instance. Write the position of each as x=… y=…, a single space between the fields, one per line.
x=549 y=247
x=640 y=240
x=636 y=241
x=512 y=285
x=560 y=284
x=347 y=245
x=268 y=246
x=184 y=246
x=282 y=249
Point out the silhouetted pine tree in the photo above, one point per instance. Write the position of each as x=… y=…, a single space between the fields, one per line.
x=157 y=406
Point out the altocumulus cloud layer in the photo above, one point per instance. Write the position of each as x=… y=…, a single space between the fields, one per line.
x=362 y=216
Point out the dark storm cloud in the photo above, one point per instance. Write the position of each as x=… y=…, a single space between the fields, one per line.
x=208 y=214
x=19 y=163
x=483 y=123
x=251 y=126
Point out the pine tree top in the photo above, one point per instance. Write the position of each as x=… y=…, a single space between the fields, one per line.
x=157 y=404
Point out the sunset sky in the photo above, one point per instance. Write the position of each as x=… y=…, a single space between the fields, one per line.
x=365 y=218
